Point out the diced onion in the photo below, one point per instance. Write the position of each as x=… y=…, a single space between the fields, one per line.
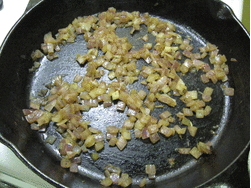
x=184 y=150
x=167 y=60
x=151 y=171
x=51 y=139
x=121 y=143
x=195 y=152
x=74 y=168
x=228 y=91
x=142 y=182
x=106 y=182
x=95 y=156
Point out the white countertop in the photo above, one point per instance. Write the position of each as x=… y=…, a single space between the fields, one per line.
x=9 y=14
x=11 y=168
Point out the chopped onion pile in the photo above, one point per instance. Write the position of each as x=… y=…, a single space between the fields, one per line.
x=65 y=102
x=197 y=150
x=114 y=175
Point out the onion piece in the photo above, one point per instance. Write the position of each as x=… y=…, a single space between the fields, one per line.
x=154 y=137
x=33 y=116
x=115 y=178
x=35 y=126
x=121 y=106
x=128 y=124
x=27 y=111
x=145 y=133
x=184 y=150
x=95 y=156
x=187 y=122
x=99 y=145
x=113 y=140
x=65 y=163
x=106 y=182
x=207 y=110
x=142 y=182
x=192 y=130
x=167 y=131
x=112 y=129
x=153 y=128
x=151 y=171
x=195 y=152
x=74 y=168
x=113 y=169
x=165 y=114
x=76 y=160
x=181 y=87
x=99 y=137
x=204 y=148
x=145 y=38
x=166 y=99
x=204 y=78
x=121 y=143
x=126 y=134
x=228 y=91
x=179 y=130
x=171 y=161
x=137 y=133
x=198 y=64
x=187 y=112
x=37 y=54
x=125 y=180
x=131 y=112
x=90 y=141
x=200 y=113
x=51 y=139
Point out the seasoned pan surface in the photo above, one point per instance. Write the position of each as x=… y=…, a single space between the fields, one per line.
x=209 y=21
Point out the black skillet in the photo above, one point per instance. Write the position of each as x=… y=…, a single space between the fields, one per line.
x=203 y=20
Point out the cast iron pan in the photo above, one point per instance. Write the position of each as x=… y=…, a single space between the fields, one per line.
x=205 y=21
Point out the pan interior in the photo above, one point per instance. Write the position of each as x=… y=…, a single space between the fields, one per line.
x=138 y=153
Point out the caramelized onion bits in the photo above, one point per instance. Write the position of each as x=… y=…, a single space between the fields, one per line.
x=184 y=150
x=95 y=156
x=142 y=182
x=167 y=61
x=106 y=182
x=37 y=54
x=65 y=163
x=74 y=168
x=198 y=150
x=32 y=115
x=150 y=170
x=206 y=96
x=121 y=106
x=114 y=175
x=195 y=152
x=51 y=139
x=166 y=99
x=121 y=143
x=228 y=91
